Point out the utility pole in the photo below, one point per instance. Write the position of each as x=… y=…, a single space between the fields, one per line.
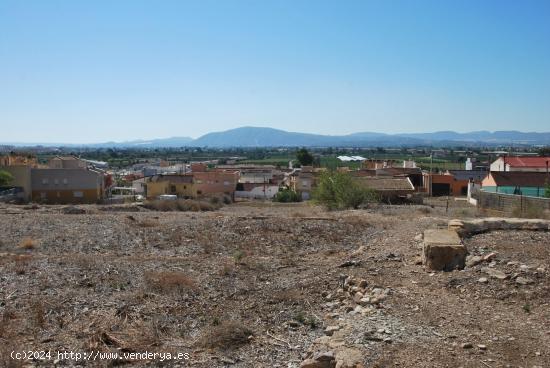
x=431 y=172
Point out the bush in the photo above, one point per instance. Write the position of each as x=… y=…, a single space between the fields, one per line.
x=226 y=334
x=338 y=191
x=5 y=178
x=169 y=281
x=286 y=196
x=28 y=243
x=218 y=200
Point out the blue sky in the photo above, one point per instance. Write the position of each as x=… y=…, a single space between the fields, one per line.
x=79 y=72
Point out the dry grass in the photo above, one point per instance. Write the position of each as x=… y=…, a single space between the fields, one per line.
x=226 y=335
x=424 y=210
x=530 y=212
x=82 y=261
x=5 y=323
x=37 y=315
x=357 y=220
x=28 y=243
x=169 y=282
x=287 y=297
x=148 y=223
x=21 y=263
x=227 y=269
x=182 y=205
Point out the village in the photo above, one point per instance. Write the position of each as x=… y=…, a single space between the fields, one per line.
x=508 y=183
x=208 y=260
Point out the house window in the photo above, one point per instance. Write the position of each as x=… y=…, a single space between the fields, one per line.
x=65 y=181
x=55 y=181
x=78 y=194
x=199 y=181
x=199 y=192
x=173 y=188
x=226 y=183
x=45 y=181
x=185 y=187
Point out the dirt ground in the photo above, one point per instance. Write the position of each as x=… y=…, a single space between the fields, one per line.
x=256 y=285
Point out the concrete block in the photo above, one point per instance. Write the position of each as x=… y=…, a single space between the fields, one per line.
x=443 y=250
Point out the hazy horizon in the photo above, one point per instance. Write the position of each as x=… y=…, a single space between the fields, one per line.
x=53 y=143
x=74 y=72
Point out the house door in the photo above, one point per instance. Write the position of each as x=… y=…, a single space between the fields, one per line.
x=441 y=189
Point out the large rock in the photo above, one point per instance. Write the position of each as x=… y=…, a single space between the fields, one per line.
x=476 y=226
x=349 y=358
x=320 y=360
x=497 y=274
x=443 y=250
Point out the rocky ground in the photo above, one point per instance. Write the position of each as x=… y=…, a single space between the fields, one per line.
x=263 y=285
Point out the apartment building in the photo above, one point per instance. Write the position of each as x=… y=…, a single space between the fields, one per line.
x=193 y=185
x=62 y=185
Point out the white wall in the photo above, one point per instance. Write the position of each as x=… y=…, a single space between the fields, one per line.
x=258 y=192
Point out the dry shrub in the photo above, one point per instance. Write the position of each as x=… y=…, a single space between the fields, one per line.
x=424 y=210
x=330 y=252
x=37 y=314
x=116 y=331
x=143 y=335
x=227 y=269
x=28 y=243
x=182 y=205
x=257 y=264
x=5 y=323
x=357 y=220
x=334 y=236
x=21 y=263
x=226 y=335
x=100 y=337
x=84 y=262
x=110 y=332
x=288 y=296
x=149 y=335
x=169 y=281
x=148 y=223
x=239 y=256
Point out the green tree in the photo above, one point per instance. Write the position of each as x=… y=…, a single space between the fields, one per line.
x=338 y=191
x=544 y=151
x=547 y=190
x=286 y=196
x=5 y=178
x=304 y=157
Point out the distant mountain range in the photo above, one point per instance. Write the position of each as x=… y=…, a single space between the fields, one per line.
x=269 y=137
